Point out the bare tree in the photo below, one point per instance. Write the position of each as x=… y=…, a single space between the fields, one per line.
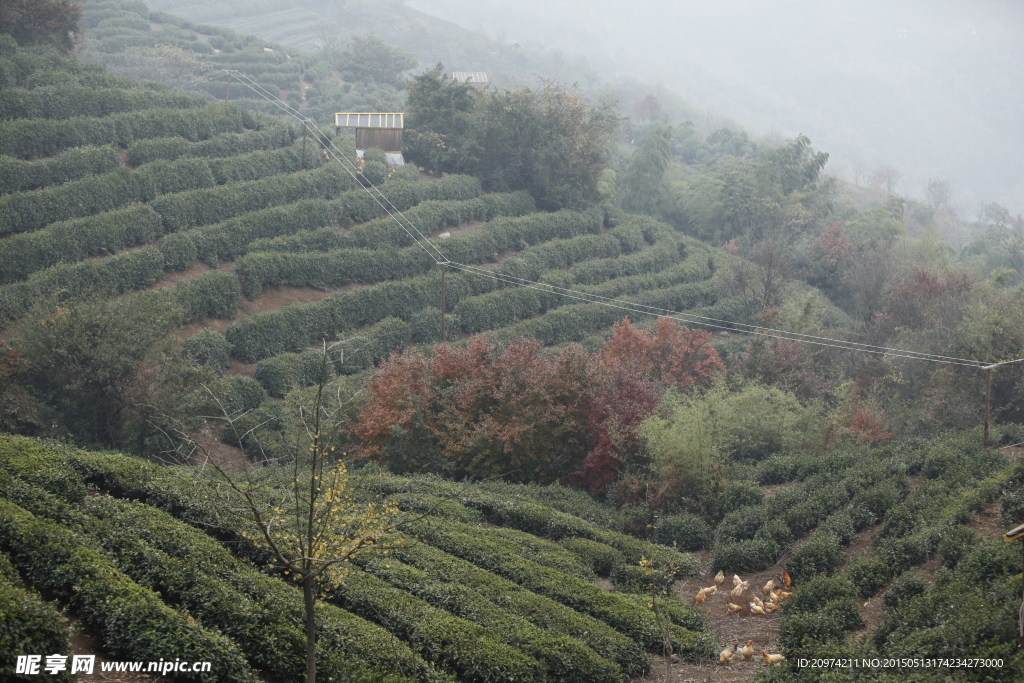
x=298 y=508
x=938 y=192
x=328 y=38
x=887 y=176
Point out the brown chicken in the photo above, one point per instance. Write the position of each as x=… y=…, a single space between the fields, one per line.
x=756 y=609
x=787 y=580
x=734 y=608
x=747 y=650
x=727 y=654
x=699 y=598
x=772 y=659
x=719 y=577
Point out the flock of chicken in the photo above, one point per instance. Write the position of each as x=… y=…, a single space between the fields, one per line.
x=742 y=593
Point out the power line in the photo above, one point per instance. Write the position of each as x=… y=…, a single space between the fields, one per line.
x=325 y=140
x=693 y=319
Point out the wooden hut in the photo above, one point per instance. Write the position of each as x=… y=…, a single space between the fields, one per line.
x=474 y=78
x=373 y=129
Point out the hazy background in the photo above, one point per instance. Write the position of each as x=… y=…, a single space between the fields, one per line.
x=932 y=87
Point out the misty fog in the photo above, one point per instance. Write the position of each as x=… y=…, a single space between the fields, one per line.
x=933 y=88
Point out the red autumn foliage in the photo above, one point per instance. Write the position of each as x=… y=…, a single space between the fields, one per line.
x=619 y=402
x=514 y=411
x=836 y=246
x=923 y=298
x=399 y=392
x=670 y=354
x=867 y=426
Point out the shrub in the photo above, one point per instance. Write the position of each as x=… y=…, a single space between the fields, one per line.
x=741 y=524
x=208 y=347
x=603 y=559
x=629 y=578
x=27 y=211
x=868 y=574
x=32 y=138
x=906 y=586
x=744 y=556
x=739 y=494
x=407 y=172
x=505 y=560
x=898 y=522
x=775 y=531
x=74 y=240
x=841 y=525
x=72 y=164
x=259 y=612
x=562 y=658
x=777 y=469
x=133 y=621
x=179 y=251
x=818 y=555
x=461 y=645
x=685 y=531
x=374 y=173
x=242 y=394
x=212 y=205
x=27 y=623
x=821 y=609
x=213 y=294
x=539 y=610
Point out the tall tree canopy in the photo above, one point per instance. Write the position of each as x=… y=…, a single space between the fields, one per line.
x=41 y=22
x=550 y=140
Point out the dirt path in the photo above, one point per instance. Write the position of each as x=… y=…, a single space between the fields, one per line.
x=730 y=629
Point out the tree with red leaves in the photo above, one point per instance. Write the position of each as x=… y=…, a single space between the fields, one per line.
x=36 y=22
x=489 y=410
x=511 y=410
x=619 y=402
x=671 y=354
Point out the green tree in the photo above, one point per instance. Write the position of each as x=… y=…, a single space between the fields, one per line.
x=372 y=60
x=41 y=22
x=438 y=114
x=643 y=183
x=94 y=364
x=298 y=509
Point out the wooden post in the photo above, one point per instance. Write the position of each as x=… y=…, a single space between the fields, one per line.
x=303 y=164
x=988 y=404
x=227 y=89
x=444 y=269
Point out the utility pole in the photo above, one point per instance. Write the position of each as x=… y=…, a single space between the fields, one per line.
x=227 y=89
x=303 y=164
x=444 y=269
x=988 y=401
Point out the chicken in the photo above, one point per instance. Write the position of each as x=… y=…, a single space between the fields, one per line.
x=719 y=577
x=787 y=580
x=773 y=596
x=769 y=587
x=710 y=590
x=772 y=659
x=783 y=595
x=770 y=607
x=736 y=580
x=756 y=609
x=734 y=608
x=757 y=600
x=699 y=598
x=727 y=654
x=737 y=591
x=747 y=650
